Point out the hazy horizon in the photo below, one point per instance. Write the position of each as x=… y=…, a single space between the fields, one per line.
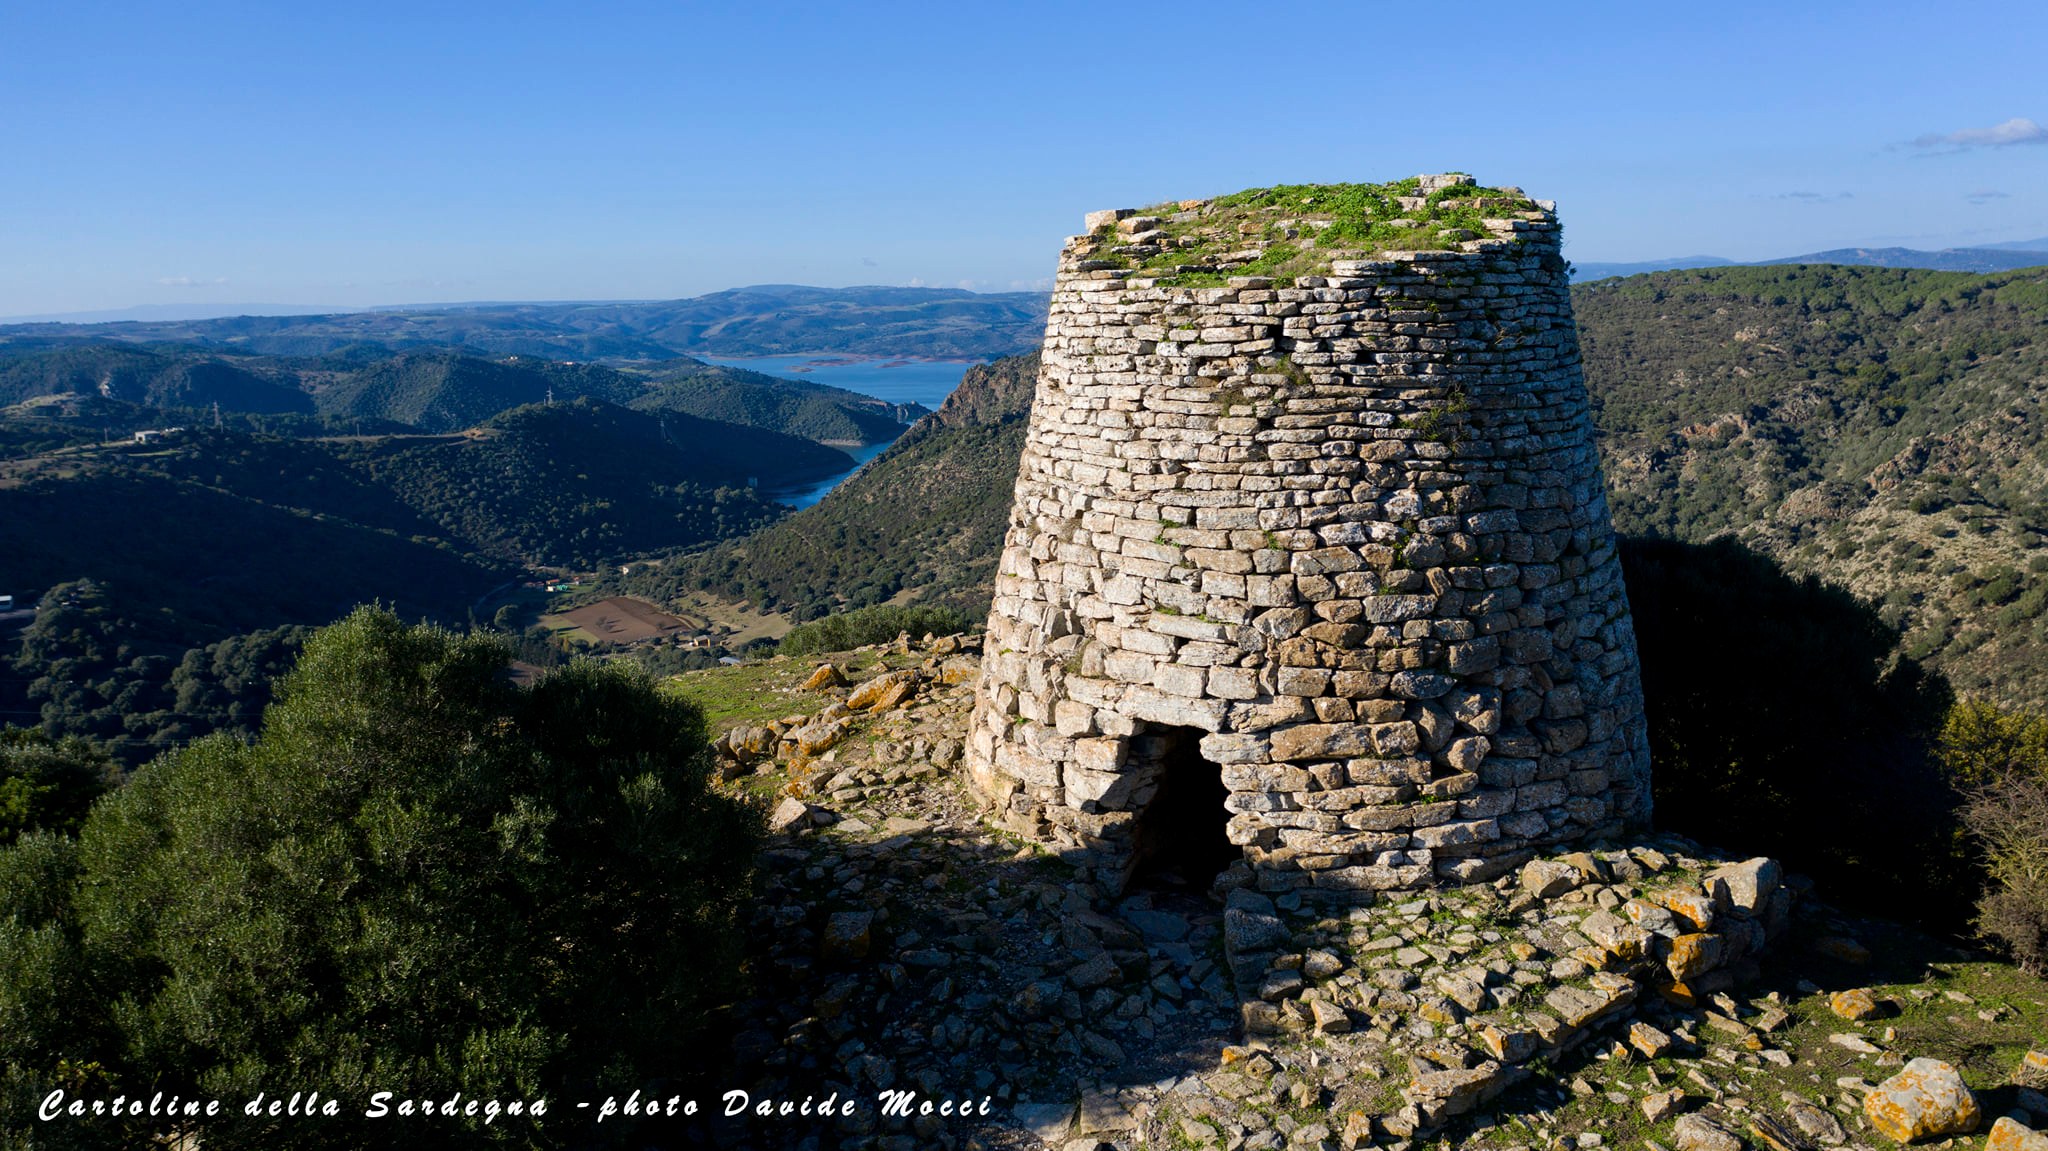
x=343 y=159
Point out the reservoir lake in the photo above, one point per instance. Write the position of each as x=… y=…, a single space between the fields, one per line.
x=897 y=381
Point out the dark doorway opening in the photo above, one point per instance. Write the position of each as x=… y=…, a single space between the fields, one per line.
x=1180 y=839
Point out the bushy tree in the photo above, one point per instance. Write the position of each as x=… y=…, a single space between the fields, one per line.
x=1782 y=722
x=2000 y=759
x=420 y=878
x=878 y=624
x=47 y=782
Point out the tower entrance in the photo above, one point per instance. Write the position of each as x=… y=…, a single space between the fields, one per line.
x=1180 y=840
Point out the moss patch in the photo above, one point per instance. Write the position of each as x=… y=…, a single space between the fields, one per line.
x=1296 y=229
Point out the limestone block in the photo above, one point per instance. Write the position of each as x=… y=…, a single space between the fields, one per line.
x=2009 y=1134
x=1321 y=741
x=1744 y=888
x=1926 y=1100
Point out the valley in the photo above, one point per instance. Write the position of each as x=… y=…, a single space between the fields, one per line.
x=1773 y=439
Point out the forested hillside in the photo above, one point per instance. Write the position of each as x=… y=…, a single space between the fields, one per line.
x=99 y=386
x=1880 y=428
x=445 y=391
x=927 y=514
x=147 y=377
x=800 y=408
x=151 y=553
x=1877 y=427
x=582 y=484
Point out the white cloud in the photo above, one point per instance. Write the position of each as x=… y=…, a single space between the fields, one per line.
x=1814 y=197
x=189 y=282
x=1986 y=195
x=2018 y=130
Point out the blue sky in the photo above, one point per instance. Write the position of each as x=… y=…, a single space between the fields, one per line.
x=371 y=153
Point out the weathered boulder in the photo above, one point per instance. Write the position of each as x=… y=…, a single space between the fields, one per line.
x=1744 y=888
x=1246 y=930
x=1926 y=1100
x=1548 y=879
x=1103 y=1115
x=1815 y=1123
x=1617 y=937
x=1439 y=1095
x=1698 y=1133
x=1507 y=1044
x=1095 y=971
x=1329 y=1019
x=1692 y=955
x=751 y=742
x=1651 y=1041
x=1579 y=1007
x=883 y=692
x=2010 y=1135
x=818 y=738
x=792 y=814
x=1695 y=910
x=1855 y=1004
x=848 y=935
x=826 y=675
x=1661 y=1105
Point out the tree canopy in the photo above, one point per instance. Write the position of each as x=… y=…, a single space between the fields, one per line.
x=419 y=879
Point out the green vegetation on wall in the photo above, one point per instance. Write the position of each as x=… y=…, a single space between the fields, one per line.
x=1296 y=229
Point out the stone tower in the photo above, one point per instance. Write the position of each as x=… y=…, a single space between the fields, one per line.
x=1310 y=561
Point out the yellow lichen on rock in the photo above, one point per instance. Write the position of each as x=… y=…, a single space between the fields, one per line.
x=1926 y=1100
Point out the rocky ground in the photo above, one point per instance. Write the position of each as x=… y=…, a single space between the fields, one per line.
x=1645 y=995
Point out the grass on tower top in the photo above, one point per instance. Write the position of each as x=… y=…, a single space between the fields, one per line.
x=1297 y=229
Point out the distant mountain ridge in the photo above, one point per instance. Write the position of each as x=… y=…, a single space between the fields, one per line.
x=2002 y=257
x=766 y=319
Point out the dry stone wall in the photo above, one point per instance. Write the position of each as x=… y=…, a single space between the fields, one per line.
x=1344 y=536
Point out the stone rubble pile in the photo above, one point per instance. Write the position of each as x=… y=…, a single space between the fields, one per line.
x=900 y=944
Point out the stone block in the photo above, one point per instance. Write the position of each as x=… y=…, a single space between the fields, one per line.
x=1926 y=1100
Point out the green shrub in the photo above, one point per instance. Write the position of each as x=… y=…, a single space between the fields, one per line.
x=878 y=624
x=1782 y=722
x=47 y=782
x=2000 y=759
